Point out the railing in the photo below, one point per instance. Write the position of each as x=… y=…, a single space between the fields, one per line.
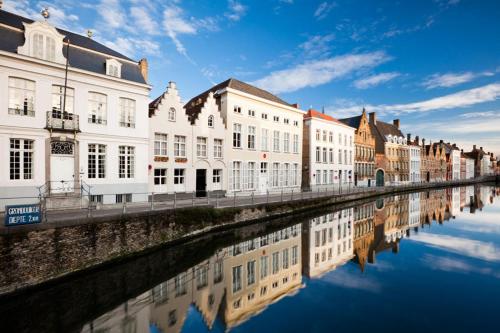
x=62 y=121
x=22 y=112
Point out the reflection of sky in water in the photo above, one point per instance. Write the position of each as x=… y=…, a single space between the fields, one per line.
x=444 y=277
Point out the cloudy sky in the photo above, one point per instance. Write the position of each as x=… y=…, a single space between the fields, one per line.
x=434 y=64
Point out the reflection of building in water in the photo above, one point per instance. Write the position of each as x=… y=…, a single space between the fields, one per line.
x=396 y=218
x=414 y=209
x=453 y=201
x=327 y=242
x=260 y=272
x=363 y=232
x=432 y=207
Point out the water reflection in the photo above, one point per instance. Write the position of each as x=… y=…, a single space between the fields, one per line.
x=240 y=281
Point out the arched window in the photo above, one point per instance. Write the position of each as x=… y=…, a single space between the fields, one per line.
x=50 y=49
x=38 y=46
x=171 y=114
x=210 y=121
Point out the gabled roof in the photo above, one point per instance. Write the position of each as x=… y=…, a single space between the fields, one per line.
x=194 y=105
x=81 y=57
x=352 y=121
x=380 y=130
x=319 y=115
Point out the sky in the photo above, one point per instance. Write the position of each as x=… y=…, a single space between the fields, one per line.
x=434 y=64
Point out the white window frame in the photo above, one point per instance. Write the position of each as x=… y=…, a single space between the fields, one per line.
x=201 y=146
x=127 y=112
x=96 y=156
x=21 y=157
x=21 y=96
x=126 y=162
x=161 y=144
x=179 y=146
x=97 y=104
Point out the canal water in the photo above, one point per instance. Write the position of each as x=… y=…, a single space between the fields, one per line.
x=417 y=262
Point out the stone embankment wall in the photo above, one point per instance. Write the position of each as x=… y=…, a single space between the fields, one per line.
x=34 y=256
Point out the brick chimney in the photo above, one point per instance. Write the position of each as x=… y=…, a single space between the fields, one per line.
x=408 y=137
x=373 y=118
x=474 y=147
x=417 y=140
x=423 y=142
x=296 y=105
x=395 y=122
x=143 y=66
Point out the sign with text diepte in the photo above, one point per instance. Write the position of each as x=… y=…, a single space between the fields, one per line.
x=22 y=214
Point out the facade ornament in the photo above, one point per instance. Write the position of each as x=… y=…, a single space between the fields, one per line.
x=90 y=33
x=45 y=13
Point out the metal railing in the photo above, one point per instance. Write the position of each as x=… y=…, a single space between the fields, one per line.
x=62 y=121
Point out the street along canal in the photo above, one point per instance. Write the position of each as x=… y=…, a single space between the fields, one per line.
x=412 y=262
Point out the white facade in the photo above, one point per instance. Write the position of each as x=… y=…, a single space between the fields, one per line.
x=264 y=143
x=486 y=165
x=415 y=163
x=44 y=146
x=330 y=146
x=414 y=210
x=469 y=168
x=186 y=156
x=330 y=239
x=455 y=156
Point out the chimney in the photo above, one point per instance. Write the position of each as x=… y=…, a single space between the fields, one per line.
x=373 y=118
x=395 y=122
x=408 y=137
x=474 y=147
x=171 y=85
x=441 y=141
x=143 y=66
x=423 y=142
x=417 y=140
x=480 y=148
x=296 y=105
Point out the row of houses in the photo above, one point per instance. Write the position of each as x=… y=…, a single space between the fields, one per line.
x=244 y=279
x=76 y=117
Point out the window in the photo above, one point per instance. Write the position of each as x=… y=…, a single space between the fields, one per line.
x=345 y=156
x=218 y=148
x=330 y=177
x=201 y=276
x=210 y=121
x=126 y=161
x=97 y=108
x=330 y=137
x=325 y=177
x=286 y=121
x=237 y=109
x=286 y=142
x=113 y=67
x=295 y=255
x=276 y=262
x=340 y=156
x=160 y=176
x=21 y=159
x=318 y=135
x=251 y=272
x=324 y=156
x=160 y=148
x=237 y=135
x=127 y=112
x=350 y=157
x=171 y=114
x=318 y=177
x=217 y=176
x=38 y=46
x=263 y=167
x=276 y=119
x=340 y=139
x=324 y=136
x=201 y=147
x=126 y=197
x=286 y=175
x=179 y=146
x=58 y=100
x=44 y=51
x=276 y=167
x=179 y=176
x=264 y=140
x=236 y=175
x=285 y=258
x=180 y=284
x=251 y=175
x=251 y=113
x=295 y=144
x=318 y=155
x=264 y=261
x=295 y=123
x=236 y=278
x=276 y=141
x=295 y=174
x=218 y=271
x=251 y=137
x=21 y=97
x=98 y=198
x=264 y=116
x=330 y=153
x=96 y=161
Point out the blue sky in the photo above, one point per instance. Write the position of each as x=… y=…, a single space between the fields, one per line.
x=432 y=63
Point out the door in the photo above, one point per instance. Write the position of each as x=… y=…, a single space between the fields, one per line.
x=263 y=178
x=201 y=182
x=62 y=167
x=217 y=180
x=380 y=178
x=62 y=175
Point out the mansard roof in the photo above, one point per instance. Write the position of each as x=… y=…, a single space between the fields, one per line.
x=89 y=55
x=194 y=105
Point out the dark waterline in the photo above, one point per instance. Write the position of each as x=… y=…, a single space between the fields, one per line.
x=413 y=262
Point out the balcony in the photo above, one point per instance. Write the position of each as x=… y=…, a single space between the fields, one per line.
x=62 y=121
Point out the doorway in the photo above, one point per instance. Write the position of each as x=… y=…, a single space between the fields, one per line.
x=62 y=167
x=428 y=176
x=380 y=177
x=201 y=182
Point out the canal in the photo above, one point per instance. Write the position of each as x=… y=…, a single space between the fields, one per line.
x=411 y=263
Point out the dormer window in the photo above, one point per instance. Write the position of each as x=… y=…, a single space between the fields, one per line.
x=44 y=47
x=42 y=41
x=113 y=68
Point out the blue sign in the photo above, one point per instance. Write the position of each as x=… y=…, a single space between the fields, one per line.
x=22 y=214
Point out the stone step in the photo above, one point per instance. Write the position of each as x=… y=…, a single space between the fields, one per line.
x=65 y=201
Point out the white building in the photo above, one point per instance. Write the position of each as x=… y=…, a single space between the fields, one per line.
x=263 y=138
x=328 y=150
x=328 y=242
x=186 y=152
x=92 y=132
x=414 y=151
x=414 y=209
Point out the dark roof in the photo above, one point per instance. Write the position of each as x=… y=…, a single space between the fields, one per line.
x=380 y=130
x=352 y=121
x=194 y=105
x=154 y=104
x=10 y=40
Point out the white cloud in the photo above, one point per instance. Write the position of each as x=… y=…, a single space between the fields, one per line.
x=464 y=246
x=317 y=45
x=375 y=80
x=451 y=79
x=144 y=21
x=133 y=47
x=174 y=24
x=353 y=281
x=483 y=114
x=315 y=73
x=235 y=10
x=112 y=13
x=324 y=9
x=456 y=265
x=464 y=98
